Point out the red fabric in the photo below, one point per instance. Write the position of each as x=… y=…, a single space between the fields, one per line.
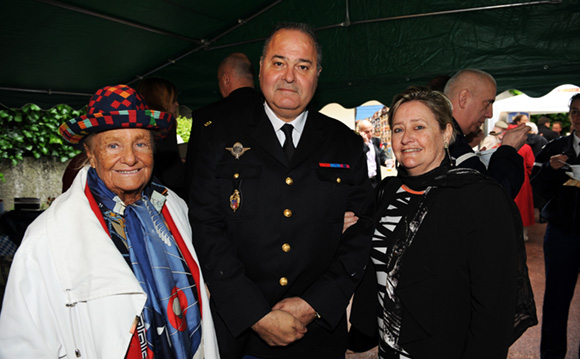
x=134 y=351
x=525 y=199
x=191 y=263
x=95 y=208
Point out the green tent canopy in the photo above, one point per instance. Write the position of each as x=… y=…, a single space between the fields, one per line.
x=57 y=51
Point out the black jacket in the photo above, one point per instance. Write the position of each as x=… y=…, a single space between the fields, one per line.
x=505 y=166
x=380 y=157
x=204 y=116
x=458 y=279
x=563 y=202
x=289 y=225
x=547 y=133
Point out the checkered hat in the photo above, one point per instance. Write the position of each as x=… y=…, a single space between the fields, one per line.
x=114 y=107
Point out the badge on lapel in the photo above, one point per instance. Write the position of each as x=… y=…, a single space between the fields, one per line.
x=235 y=200
x=237 y=150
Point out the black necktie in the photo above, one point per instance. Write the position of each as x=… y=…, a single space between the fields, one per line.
x=288 y=143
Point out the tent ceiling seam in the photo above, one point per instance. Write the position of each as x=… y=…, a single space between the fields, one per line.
x=348 y=23
x=205 y=43
x=120 y=21
x=49 y=91
x=458 y=11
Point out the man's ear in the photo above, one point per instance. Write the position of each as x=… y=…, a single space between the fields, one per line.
x=464 y=96
x=226 y=78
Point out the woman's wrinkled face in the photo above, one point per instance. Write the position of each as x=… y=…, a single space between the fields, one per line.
x=418 y=142
x=123 y=159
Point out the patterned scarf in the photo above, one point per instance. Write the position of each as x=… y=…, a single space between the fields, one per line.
x=171 y=317
x=399 y=217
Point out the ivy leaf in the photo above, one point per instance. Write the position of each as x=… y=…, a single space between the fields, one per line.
x=55 y=140
x=34 y=132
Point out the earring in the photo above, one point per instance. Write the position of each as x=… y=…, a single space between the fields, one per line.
x=446 y=146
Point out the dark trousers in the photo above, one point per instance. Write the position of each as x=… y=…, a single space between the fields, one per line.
x=562 y=262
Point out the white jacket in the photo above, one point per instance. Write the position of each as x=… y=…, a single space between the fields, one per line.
x=71 y=294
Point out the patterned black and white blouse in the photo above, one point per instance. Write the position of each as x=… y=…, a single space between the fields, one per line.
x=393 y=235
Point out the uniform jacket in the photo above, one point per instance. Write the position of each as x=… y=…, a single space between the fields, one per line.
x=204 y=116
x=563 y=206
x=458 y=278
x=285 y=238
x=505 y=165
x=70 y=290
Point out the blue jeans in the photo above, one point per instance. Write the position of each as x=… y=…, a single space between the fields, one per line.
x=562 y=261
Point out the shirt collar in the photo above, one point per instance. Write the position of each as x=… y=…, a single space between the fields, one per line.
x=277 y=123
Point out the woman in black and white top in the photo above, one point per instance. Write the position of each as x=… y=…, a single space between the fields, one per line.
x=446 y=248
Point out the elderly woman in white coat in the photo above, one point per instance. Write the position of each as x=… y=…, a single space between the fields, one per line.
x=109 y=270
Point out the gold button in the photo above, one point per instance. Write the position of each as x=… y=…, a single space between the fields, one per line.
x=338 y=180
x=283 y=281
x=287 y=213
x=289 y=181
x=286 y=247
x=236 y=175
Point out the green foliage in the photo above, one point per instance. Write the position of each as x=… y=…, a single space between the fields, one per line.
x=32 y=131
x=184 y=128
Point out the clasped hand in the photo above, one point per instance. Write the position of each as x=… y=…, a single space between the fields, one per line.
x=286 y=323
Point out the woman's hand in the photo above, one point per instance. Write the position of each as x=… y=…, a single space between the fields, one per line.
x=349 y=220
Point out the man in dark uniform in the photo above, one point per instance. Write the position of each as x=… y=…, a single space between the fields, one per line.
x=236 y=84
x=267 y=209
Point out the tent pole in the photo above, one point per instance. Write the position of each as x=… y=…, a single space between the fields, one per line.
x=347 y=22
x=205 y=43
x=48 y=92
x=120 y=21
x=446 y=12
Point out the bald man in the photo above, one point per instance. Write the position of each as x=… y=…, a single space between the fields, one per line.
x=235 y=72
x=235 y=77
x=472 y=93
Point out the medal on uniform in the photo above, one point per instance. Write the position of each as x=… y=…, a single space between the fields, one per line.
x=237 y=150
x=235 y=200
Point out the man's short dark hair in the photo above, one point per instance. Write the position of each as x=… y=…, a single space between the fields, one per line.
x=302 y=27
x=543 y=120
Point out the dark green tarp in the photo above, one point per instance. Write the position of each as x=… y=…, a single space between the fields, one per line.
x=372 y=49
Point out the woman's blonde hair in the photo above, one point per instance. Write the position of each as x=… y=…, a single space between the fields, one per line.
x=436 y=101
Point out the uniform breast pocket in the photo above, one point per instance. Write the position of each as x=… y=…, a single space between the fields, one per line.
x=239 y=189
x=334 y=187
